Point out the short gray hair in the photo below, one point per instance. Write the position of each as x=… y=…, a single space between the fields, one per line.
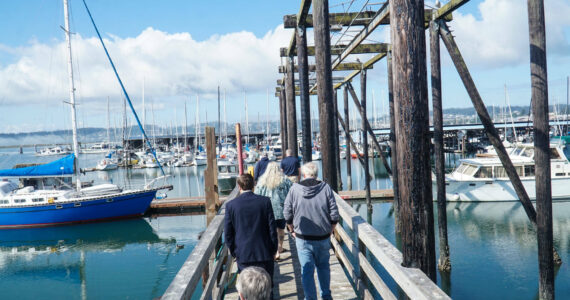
x=310 y=169
x=288 y=152
x=254 y=283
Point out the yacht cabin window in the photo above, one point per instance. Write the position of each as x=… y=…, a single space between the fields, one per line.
x=484 y=172
x=529 y=170
x=528 y=152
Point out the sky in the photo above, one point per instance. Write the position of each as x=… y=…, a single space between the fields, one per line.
x=180 y=51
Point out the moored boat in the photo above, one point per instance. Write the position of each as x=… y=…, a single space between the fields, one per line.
x=227 y=175
x=485 y=179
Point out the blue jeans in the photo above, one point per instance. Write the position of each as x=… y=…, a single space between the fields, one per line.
x=311 y=254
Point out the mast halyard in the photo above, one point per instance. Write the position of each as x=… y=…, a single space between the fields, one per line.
x=72 y=96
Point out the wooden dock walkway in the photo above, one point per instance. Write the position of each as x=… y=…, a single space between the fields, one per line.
x=198 y=204
x=287 y=277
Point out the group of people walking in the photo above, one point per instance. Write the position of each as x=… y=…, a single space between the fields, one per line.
x=255 y=223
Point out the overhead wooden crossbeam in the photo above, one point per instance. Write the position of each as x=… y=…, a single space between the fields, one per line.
x=366 y=65
x=281 y=82
x=337 y=49
x=340 y=67
x=381 y=17
x=344 y=19
x=445 y=11
x=301 y=17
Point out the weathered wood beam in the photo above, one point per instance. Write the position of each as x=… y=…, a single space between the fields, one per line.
x=364 y=128
x=412 y=134
x=283 y=115
x=344 y=19
x=364 y=18
x=337 y=49
x=365 y=66
x=291 y=110
x=347 y=137
x=369 y=128
x=445 y=11
x=350 y=140
x=336 y=141
x=301 y=16
x=393 y=147
x=539 y=82
x=444 y=264
x=340 y=67
x=305 y=104
x=325 y=91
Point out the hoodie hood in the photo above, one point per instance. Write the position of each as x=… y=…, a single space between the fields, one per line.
x=310 y=187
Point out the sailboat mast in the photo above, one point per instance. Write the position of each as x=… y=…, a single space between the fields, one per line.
x=185 y=128
x=246 y=116
x=144 y=116
x=225 y=118
x=219 y=122
x=108 y=122
x=72 y=96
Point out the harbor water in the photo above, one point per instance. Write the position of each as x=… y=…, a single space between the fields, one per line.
x=493 y=245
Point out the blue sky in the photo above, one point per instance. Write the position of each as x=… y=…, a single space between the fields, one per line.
x=184 y=49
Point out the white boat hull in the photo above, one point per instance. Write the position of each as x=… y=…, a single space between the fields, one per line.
x=496 y=190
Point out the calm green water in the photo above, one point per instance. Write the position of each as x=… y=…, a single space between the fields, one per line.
x=493 y=249
x=130 y=259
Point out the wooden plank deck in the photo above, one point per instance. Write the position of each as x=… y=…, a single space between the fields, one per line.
x=361 y=195
x=287 y=278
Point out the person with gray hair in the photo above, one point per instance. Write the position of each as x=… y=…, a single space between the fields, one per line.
x=253 y=283
x=290 y=166
x=311 y=214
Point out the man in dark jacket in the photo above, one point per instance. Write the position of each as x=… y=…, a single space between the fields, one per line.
x=260 y=167
x=290 y=166
x=250 y=231
x=311 y=214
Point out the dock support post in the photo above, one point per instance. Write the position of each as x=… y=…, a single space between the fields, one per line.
x=305 y=101
x=347 y=138
x=443 y=263
x=291 y=109
x=461 y=67
x=324 y=88
x=412 y=134
x=369 y=129
x=393 y=151
x=539 y=83
x=336 y=141
x=364 y=121
x=283 y=115
x=211 y=175
x=239 y=148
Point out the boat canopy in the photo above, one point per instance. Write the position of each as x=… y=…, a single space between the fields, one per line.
x=63 y=166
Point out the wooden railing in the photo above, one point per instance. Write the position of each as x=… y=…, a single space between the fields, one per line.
x=413 y=282
x=209 y=261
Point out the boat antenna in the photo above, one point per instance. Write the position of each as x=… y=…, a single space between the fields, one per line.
x=72 y=97
x=124 y=90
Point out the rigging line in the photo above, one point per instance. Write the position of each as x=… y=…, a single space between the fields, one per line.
x=124 y=90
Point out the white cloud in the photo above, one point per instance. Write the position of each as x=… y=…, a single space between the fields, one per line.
x=172 y=64
x=499 y=37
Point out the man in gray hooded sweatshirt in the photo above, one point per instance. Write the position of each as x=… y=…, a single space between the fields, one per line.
x=311 y=214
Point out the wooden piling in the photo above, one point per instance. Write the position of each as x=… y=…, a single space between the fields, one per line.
x=283 y=117
x=347 y=138
x=393 y=151
x=364 y=122
x=444 y=263
x=412 y=134
x=324 y=88
x=305 y=102
x=211 y=176
x=539 y=81
x=336 y=141
x=239 y=148
x=291 y=110
x=369 y=129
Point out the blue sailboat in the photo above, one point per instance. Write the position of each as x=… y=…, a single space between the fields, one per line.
x=46 y=194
